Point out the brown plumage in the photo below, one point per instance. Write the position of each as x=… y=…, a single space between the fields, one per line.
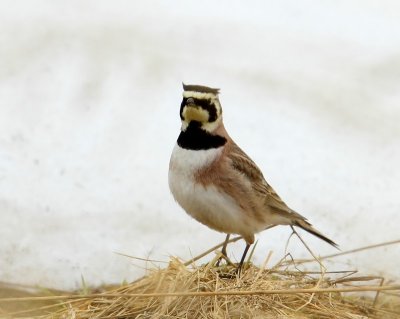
x=199 y=88
x=216 y=182
x=259 y=200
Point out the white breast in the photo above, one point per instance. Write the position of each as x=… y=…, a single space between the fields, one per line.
x=188 y=162
x=208 y=205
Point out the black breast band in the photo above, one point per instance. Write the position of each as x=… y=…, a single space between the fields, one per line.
x=195 y=138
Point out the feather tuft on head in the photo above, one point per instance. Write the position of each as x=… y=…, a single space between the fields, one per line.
x=199 y=88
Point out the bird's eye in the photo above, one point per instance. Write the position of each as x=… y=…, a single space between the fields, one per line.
x=190 y=101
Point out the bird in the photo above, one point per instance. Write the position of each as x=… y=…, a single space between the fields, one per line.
x=216 y=182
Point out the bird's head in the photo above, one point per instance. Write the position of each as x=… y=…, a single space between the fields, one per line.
x=200 y=104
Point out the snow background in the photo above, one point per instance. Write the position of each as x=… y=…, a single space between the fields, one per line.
x=89 y=113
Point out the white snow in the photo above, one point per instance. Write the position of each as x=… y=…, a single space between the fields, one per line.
x=89 y=113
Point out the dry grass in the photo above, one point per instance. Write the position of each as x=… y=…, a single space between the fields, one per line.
x=185 y=290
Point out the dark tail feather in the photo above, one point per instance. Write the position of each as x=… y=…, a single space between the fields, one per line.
x=308 y=227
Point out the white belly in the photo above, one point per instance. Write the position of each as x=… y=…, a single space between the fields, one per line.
x=207 y=204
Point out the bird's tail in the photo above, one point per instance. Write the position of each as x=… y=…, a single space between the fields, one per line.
x=304 y=224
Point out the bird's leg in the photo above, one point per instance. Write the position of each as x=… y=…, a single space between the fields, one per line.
x=239 y=268
x=223 y=251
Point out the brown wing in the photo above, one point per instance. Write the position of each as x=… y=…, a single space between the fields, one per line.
x=244 y=164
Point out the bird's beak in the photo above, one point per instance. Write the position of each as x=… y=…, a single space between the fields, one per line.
x=194 y=112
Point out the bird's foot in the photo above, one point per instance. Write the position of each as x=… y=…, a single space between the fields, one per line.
x=221 y=257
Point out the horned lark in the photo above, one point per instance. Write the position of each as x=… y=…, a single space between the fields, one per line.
x=216 y=182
